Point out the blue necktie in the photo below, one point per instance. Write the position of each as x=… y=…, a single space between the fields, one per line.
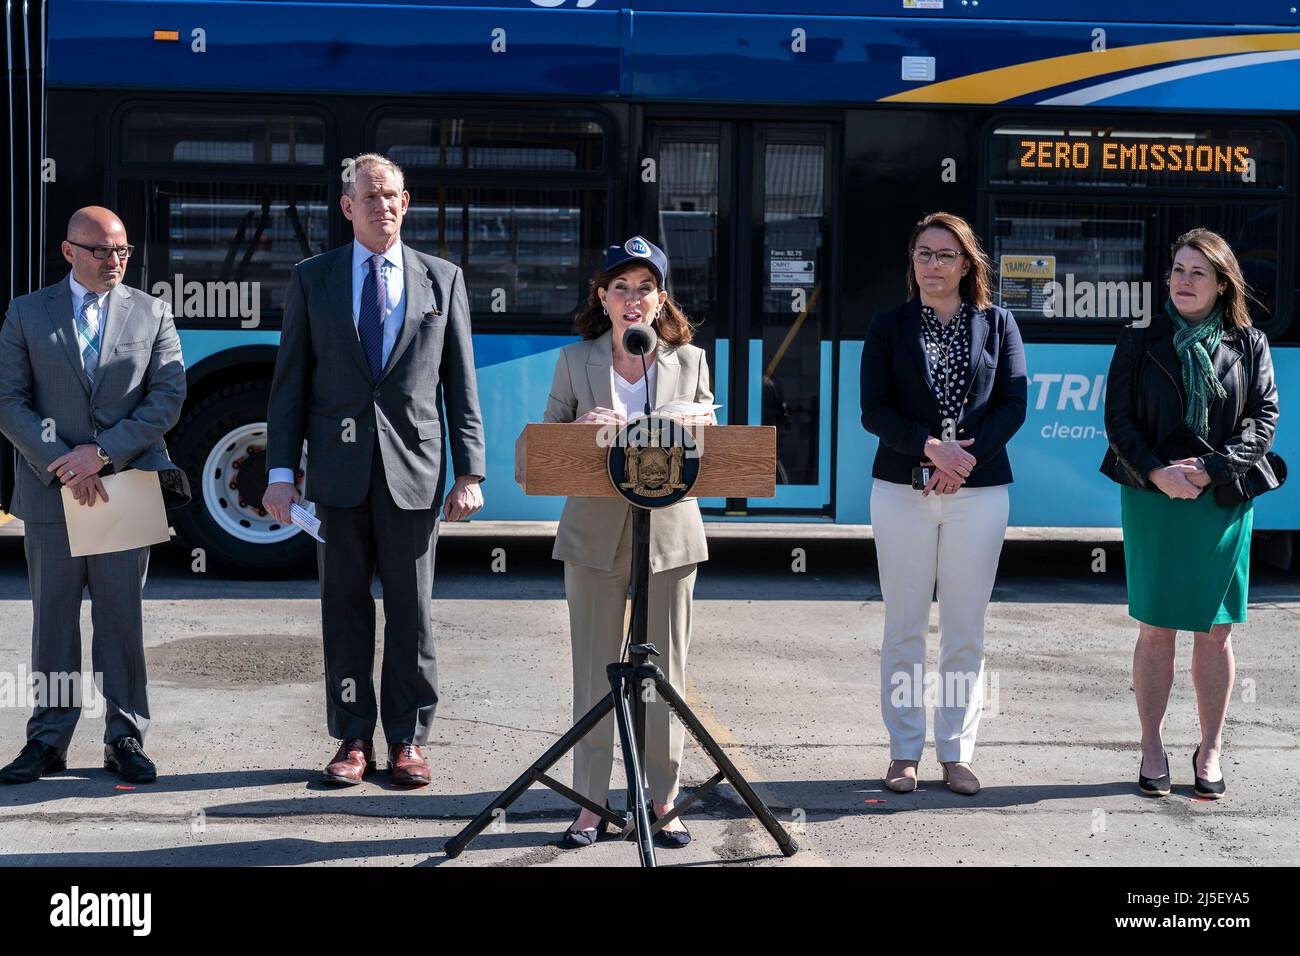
x=88 y=332
x=370 y=323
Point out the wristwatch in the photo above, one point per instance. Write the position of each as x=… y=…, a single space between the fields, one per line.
x=103 y=455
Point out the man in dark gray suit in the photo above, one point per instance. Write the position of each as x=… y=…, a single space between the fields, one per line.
x=91 y=378
x=376 y=336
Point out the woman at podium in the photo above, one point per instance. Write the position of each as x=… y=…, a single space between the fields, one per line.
x=944 y=388
x=598 y=381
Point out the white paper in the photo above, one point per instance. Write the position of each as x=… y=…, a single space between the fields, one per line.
x=685 y=409
x=132 y=517
x=306 y=520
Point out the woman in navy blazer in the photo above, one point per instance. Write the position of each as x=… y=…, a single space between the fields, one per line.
x=944 y=389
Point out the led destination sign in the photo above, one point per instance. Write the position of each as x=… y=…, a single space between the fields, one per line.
x=1108 y=158
x=1142 y=155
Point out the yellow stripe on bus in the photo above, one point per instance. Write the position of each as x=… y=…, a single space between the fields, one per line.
x=1009 y=82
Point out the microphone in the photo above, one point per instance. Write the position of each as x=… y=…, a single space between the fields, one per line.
x=642 y=340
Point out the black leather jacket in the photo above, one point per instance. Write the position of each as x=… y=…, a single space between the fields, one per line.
x=1145 y=402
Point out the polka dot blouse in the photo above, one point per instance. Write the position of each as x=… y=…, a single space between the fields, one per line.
x=947 y=355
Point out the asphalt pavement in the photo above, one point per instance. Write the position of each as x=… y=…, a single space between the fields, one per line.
x=784 y=672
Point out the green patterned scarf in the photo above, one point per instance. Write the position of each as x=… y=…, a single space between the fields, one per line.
x=1194 y=345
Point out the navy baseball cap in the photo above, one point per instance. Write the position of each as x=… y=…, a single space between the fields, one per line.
x=641 y=251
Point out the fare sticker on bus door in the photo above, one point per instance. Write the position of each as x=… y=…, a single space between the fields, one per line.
x=1024 y=282
x=792 y=267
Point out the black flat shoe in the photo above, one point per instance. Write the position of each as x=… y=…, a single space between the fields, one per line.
x=34 y=761
x=126 y=758
x=670 y=839
x=1210 y=790
x=577 y=839
x=1154 y=786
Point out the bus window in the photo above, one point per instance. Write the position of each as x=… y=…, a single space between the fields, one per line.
x=688 y=233
x=793 y=284
x=203 y=236
x=427 y=142
x=1081 y=214
x=230 y=199
x=200 y=136
x=1104 y=263
x=524 y=211
x=526 y=252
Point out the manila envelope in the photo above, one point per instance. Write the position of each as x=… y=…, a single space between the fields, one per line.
x=132 y=517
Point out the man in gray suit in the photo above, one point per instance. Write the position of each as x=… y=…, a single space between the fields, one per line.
x=91 y=378
x=376 y=336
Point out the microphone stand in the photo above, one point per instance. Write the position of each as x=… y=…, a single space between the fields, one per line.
x=639 y=648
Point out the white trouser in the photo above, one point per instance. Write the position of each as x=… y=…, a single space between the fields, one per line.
x=958 y=539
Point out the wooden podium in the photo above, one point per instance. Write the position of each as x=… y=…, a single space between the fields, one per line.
x=735 y=461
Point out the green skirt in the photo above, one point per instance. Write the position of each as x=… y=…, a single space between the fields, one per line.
x=1188 y=562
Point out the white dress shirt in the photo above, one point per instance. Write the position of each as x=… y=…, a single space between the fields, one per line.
x=394 y=277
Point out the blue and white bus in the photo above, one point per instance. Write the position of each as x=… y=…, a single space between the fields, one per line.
x=779 y=150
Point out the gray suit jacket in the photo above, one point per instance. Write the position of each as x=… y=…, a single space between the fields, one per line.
x=323 y=392
x=590 y=528
x=139 y=390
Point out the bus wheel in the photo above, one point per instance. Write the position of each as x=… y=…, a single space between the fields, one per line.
x=221 y=444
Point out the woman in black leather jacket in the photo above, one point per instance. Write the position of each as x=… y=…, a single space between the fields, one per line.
x=1191 y=408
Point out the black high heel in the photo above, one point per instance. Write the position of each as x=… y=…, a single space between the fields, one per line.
x=1210 y=790
x=670 y=839
x=1155 y=786
x=577 y=839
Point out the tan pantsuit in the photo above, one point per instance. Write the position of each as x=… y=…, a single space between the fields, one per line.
x=597 y=603
x=594 y=540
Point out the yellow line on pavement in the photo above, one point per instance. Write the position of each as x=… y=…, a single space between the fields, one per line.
x=807 y=855
x=719 y=731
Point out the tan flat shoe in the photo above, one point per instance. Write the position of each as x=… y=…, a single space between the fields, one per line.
x=901 y=776
x=960 y=778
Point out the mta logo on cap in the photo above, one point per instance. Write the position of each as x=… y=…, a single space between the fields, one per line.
x=641 y=251
x=636 y=246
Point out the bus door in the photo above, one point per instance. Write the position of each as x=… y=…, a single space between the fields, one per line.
x=742 y=210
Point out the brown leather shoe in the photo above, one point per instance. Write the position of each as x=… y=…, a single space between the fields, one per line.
x=407 y=765
x=355 y=759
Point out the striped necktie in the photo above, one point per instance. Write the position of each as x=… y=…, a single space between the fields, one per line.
x=88 y=326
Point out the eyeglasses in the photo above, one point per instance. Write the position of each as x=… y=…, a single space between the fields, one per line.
x=103 y=252
x=946 y=257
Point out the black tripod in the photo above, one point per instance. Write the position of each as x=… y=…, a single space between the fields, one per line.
x=627 y=702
